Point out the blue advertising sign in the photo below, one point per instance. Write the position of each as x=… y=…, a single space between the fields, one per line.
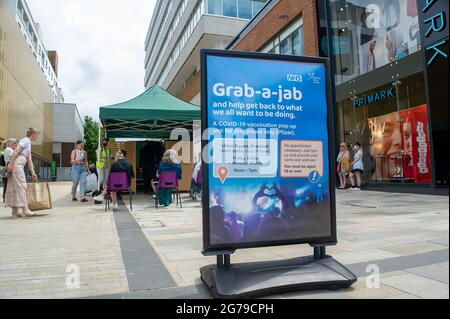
x=268 y=169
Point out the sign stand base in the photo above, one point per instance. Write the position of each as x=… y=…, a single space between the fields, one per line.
x=250 y=280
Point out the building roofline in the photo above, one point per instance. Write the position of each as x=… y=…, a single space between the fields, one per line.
x=75 y=107
x=257 y=18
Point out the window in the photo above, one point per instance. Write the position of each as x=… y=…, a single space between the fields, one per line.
x=297 y=42
x=245 y=9
x=258 y=5
x=215 y=7
x=290 y=41
x=230 y=8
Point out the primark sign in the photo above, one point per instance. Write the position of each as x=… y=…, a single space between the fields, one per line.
x=374 y=98
x=434 y=26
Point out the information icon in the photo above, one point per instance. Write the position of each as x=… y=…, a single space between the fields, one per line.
x=314 y=177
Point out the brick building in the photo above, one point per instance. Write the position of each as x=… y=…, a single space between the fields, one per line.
x=273 y=27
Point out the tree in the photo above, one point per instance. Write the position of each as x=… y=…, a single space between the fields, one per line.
x=91 y=138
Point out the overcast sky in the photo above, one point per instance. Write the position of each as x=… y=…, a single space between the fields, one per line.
x=100 y=44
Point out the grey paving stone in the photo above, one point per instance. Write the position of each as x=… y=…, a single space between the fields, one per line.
x=440 y=241
x=438 y=272
x=148 y=277
x=178 y=241
x=401 y=263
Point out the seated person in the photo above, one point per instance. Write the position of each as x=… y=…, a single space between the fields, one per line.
x=121 y=165
x=169 y=163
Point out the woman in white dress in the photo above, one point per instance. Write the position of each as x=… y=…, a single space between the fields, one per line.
x=16 y=193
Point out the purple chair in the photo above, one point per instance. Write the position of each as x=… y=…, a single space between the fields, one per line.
x=118 y=182
x=168 y=180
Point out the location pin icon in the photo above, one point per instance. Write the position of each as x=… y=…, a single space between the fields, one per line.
x=223 y=173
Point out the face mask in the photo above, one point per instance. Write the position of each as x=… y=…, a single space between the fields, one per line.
x=105 y=144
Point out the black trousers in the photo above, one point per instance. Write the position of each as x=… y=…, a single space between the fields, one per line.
x=5 y=183
x=148 y=175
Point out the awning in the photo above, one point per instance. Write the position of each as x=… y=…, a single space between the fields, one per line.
x=153 y=114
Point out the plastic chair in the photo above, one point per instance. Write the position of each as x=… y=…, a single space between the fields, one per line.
x=168 y=180
x=118 y=182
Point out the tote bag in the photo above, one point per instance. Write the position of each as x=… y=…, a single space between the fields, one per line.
x=39 y=197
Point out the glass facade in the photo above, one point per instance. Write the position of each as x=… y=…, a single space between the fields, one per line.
x=368 y=34
x=391 y=123
x=243 y=9
x=385 y=111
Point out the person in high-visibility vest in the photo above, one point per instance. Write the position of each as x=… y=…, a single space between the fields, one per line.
x=104 y=155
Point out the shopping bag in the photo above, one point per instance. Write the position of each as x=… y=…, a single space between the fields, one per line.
x=39 y=197
x=347 y=166
x=91 y=183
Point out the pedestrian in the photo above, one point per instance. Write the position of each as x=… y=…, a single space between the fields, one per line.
x=104 y=155
x=120 y=165
x=80 y=170
x=357 y=167
x=169 y=163
x=343 y=166
x=196 y=187
x=16 y=193
x=9 y=146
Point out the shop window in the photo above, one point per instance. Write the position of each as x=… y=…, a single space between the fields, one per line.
x=391 y=122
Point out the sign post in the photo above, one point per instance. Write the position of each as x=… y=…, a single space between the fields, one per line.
x=268 y=171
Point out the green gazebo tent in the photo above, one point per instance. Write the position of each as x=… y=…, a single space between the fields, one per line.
x=153 y=114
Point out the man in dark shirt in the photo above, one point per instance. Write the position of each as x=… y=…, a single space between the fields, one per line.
x=121 y=165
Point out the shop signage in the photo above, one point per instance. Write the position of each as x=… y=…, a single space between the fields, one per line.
x=374 y=98
x=435 y=28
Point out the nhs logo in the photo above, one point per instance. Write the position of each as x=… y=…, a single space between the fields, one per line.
x=294 y=78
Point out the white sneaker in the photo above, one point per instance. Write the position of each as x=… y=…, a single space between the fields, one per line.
x=115 y=206
x=99 y=198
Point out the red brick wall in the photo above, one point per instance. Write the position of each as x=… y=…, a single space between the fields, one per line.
x=282 y=15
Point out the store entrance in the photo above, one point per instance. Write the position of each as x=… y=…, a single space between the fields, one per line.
x=391 y=123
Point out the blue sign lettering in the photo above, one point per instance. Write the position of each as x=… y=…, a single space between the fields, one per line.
x=376 y=97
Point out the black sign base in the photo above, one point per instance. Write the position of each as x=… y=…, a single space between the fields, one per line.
x=250 y=280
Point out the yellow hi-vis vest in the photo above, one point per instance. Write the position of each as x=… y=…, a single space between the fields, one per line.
x=103 y=156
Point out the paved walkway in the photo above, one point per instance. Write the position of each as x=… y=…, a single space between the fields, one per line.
x=151 y=253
